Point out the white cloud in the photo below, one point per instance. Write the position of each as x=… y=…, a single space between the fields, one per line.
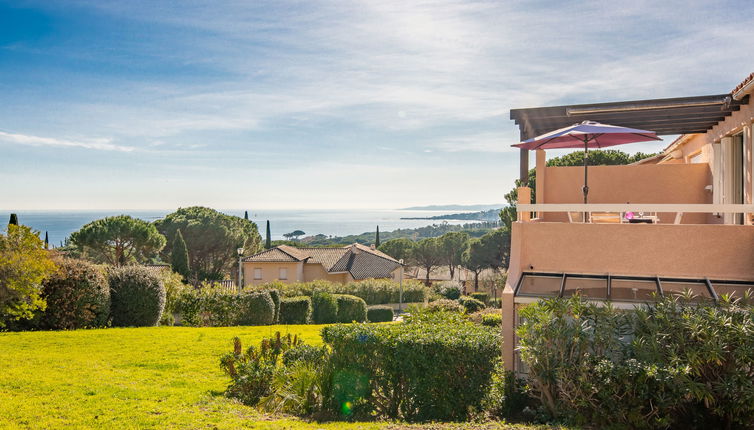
x=96 y=144
x=479 y=142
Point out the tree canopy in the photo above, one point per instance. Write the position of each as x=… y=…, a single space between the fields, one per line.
x=179 y=259
x=490 y=251
x=294 y=234
x=211 y=238
x=24 y=264
x=400 y=249
x=427 y=255
x=452 y=247
x=118 y=240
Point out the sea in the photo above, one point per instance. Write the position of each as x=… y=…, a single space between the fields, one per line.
x=60 y=224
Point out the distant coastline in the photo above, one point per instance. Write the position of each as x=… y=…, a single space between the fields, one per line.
x=485 y=215
x=470 y=208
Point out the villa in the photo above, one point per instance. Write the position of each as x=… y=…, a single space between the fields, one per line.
x=290 y=264
x=692 y=204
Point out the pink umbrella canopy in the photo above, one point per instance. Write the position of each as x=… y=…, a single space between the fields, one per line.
x=588 y=134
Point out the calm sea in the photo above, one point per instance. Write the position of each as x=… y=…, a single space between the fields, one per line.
x=60 y=224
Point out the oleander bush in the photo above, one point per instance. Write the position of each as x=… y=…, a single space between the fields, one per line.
x=434 y=366
x=77 y=296
x=325 y=307
x=373 y=291
x=137 y=296
x=295 y=310
x=445 y=305
x=471 y=305
x=380 y=313
x=482 y=297
x=671 y=364
x=351 y=309
x=450 y=290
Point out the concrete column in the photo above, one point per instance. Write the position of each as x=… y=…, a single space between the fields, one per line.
x=539 y=195
x=524 y=198
x=509 y=326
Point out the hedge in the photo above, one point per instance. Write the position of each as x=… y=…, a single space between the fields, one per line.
x=255 y=308
x=418 y=370
x=295 y=310
x=213 y=306
x=482 y=297
x=470 y=304
x=137 y=296
x=77 y=296
x=373 y=291
x=275 y=296
x=325 y=308
x=351 y=309
x=380 y=313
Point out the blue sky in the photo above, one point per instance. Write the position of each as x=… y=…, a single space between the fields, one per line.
x=323 y=104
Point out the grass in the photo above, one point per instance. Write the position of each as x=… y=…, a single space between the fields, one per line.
x=157 y=377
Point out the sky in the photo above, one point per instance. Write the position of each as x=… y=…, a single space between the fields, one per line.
x=323 y=104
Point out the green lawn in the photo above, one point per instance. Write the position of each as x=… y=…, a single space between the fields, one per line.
x=160 y=377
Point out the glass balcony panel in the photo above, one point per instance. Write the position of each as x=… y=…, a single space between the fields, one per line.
x=630 y=290
x=736 y=291
x=589 y=288
x=697 y=290
x=540 y=286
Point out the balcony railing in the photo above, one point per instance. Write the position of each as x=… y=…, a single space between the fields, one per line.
x=636 y=207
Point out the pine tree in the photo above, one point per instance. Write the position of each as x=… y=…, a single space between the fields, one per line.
x=246 y=215
x=13 y=219
x=47 y=241
x=377 y=240
x=179 y=259
x=268 y=238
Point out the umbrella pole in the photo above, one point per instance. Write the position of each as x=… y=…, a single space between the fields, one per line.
x=585 y=189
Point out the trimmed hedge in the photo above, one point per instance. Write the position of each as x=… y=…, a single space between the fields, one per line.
x=137 y=296
x=450 y=290
x=444 y=305
x=77 y=296
x=275 y=296
x=435 y=369
x=482 y=297
x=325 y=307
x=470 y=304
x=351 y=309
x=211 y=306
x=380 y=313
x=373 y=291
x=255 y=308
x=295 y=310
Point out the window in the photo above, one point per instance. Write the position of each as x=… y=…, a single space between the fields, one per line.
x=258 y=273
x=283 y=273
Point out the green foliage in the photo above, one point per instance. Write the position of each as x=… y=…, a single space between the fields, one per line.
x=474 y=229
x=137 y=296
x=351 y=309
x=507 y=396
x=377 y=238
x=24 y=263
x=482 y=297
x=451 y=290
x=118 y=240
x=174 y=287
x=400 y=249
x=252 y=371
x=470 y=304
x=296 y=310
x=275 y=296
x=491 y=251
x=379 y=313
x=445 y=305
x=211 y=238
x=77 y=296
x=179 y=259
x=305 y=353
x=268 y=237
x=215 y=306
x=452 y=247
x=294 y=235
x=419 y=370
x=493 y=320
x=373 y=291
x=325 y=307
x=671 y=363
x=13 y=219
x=427 y=254
x=255 y=308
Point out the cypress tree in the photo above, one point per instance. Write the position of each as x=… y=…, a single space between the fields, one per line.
x=47 y=240
x=268 y=237
x=179 y=259
x=246 y=215
x=377 y=239
x=13 y=219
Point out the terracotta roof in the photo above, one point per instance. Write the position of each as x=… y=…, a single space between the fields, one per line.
x=360 y=261
x=743 y=83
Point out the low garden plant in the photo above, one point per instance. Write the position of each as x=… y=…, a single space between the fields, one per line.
x=470 y=304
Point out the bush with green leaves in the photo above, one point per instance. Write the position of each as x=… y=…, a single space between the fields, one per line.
x=380 y=313
x=482 y=297
x=275 y=296
x=137 y=296
x=255 y=308
x=373 y=291
x=77 y=296
x=507 y=396
x=435 y=366
x=296 y=310
x=672 y=363
x=325 y=308
x=451 y=290
x=174 y=287
x=471 y=305
x=351 y=309
x=444 y=305
x=216 y=306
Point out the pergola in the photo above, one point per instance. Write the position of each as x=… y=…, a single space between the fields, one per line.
x=682 y=115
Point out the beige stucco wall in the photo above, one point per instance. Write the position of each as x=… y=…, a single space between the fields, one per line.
x=650 y=183
x=316 y=271
x=270 y=272
x=714 y=251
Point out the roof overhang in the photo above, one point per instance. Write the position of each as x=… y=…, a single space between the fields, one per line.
x=683 y=115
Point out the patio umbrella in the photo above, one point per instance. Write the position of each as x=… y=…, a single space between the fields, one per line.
x=588 y=134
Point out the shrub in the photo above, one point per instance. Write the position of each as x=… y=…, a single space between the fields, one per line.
x=275 y=296
x=305 y=353
x=77 y=296
x=351 y=309
x=373 y=291
x=423 y=369
x=444 y=305
x=255 y=308
x=492 y=320
x=325 y=308
x=471 y=305
x=482 y=297
x=137 y=296
x=451 y=290
x=379 y=313
x=174 y=288
x=296 y=310
x=507 y=396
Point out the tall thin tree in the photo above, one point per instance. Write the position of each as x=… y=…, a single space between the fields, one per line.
x=179 y=258
x=246 y=215
x=268 y=237
x=377 y=238
x=13 y=219
x=47 y=240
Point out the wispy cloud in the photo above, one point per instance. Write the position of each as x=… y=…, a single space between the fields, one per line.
x=478 y=142
x=95 y=144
